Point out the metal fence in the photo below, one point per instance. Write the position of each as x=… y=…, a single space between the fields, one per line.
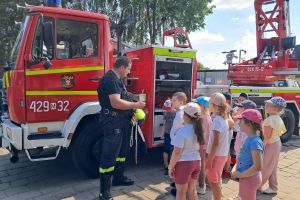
x=213 y=77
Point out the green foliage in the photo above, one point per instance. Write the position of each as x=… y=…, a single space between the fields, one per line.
x=152 y=17
x=201 y=66
x=155 y=16
x=8 y=29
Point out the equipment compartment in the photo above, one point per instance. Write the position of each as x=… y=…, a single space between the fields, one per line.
x=172 y=75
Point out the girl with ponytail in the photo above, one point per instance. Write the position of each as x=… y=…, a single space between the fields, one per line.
x=218 y=144
x=185 y=164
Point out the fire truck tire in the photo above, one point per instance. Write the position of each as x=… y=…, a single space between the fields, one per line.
x=289 y=121
x=85 y=151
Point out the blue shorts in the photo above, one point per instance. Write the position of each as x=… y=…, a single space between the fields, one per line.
x=167 y=145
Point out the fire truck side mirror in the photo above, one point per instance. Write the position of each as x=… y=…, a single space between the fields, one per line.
x=47 y=63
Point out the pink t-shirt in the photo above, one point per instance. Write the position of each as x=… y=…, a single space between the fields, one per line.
x=207 y=123
x=239 y=141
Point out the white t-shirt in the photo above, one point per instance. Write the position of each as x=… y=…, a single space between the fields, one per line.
x=178 y=123
x=220 y=125
x=186 y=139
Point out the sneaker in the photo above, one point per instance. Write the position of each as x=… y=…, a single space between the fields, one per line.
x=172 y=184
x=236 y=197
x=226 y=174
x=201 y=190
x=269 y=191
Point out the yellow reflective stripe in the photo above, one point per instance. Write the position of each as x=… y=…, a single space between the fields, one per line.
x=168 y=52
x=265 y=91
x=6 y=80
x=59 y=93
x=120 y=159
x=101 y=170
x=66 y=70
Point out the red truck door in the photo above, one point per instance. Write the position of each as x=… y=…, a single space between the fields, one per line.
x=52 y=94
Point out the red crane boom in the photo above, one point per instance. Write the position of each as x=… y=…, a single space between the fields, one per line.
x=275 y=59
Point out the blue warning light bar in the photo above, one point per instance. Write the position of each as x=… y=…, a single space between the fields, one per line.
x=53 y=3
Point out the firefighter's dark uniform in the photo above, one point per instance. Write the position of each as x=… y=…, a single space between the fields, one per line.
x=116 y=129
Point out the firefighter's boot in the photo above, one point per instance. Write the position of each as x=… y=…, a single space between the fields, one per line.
x=105 y=183
x=119 y=179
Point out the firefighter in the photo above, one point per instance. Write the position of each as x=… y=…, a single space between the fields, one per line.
x=116 y=113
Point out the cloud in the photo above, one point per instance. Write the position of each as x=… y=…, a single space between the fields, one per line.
x=235 y=19
x=232 y=4
x=247 y=43
x=212 y=60
x=205 y=37
x=251 y=18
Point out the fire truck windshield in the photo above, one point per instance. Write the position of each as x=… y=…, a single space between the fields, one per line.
x=15 y=50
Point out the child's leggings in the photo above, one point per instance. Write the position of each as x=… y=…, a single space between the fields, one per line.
x=249 y=186
x=270 y=164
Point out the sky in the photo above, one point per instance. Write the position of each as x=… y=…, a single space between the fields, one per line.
x=232 y=26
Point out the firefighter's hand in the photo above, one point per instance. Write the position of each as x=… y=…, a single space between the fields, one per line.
x=140 y=104
x=162 y=136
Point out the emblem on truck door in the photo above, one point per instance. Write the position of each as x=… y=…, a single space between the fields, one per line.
x=67 y=80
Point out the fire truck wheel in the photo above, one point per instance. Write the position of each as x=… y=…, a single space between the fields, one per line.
x=86 y=150
x=289 y=121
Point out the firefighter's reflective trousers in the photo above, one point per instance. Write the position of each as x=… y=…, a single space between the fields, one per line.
x=115 y=145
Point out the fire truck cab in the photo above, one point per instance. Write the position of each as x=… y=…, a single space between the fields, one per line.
x=51 y=82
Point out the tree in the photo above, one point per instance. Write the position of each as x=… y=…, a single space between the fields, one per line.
x=152 y=17
x=201 y=66
x=8 y=29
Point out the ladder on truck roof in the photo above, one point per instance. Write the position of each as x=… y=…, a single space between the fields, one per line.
x=274 y=46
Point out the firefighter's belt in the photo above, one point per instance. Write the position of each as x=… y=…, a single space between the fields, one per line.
x=110 y=113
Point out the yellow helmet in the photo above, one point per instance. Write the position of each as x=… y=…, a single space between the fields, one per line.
x=140 y=114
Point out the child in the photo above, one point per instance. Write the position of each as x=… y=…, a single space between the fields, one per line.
x=273 y=128
x=185 y=164
x=203 y=102
x=179 y=99
x=218 y=144
x=249 y=166
x=226 y=172
x=241 y=136
x=168 y=118
x=242 y=97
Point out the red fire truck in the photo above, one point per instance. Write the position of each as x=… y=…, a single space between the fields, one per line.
x=278 y=57
x=50 y=84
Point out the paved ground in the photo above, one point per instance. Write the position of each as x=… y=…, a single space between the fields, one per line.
x=58 y=179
